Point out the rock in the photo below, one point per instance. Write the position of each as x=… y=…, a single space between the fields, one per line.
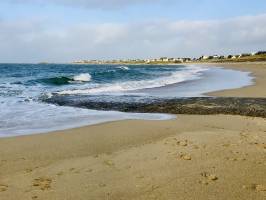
x=202 y=105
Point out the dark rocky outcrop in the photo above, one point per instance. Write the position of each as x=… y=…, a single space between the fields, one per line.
x=255 y=107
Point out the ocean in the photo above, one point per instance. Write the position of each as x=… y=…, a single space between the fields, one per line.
x=25 y=87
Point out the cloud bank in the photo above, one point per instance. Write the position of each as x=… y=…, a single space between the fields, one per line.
x=35 y=41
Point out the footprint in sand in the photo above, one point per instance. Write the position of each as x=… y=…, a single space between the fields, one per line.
x=183 y=143
x=208 y=178
x=60 y=173
x=196 y=147
x=42 y=183
x=102 y=185
x=261 y=188
x=140 y=177
x=89 y=170
x=261 y=145
x=72 y=169
x=109 y=163
x=185 y=156
x=226 y=145
x=255 y=187
x=236 y=159
x=29 y=170
x=249 y=187
x=3 y=188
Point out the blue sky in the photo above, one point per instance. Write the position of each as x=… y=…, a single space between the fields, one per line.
x=171 y=9
x=104 y=29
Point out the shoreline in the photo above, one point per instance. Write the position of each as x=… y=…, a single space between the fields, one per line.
x=258 y=71
x=190 y=157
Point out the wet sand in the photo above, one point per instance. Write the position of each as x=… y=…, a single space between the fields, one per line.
x=190 y=157
x=258 y=71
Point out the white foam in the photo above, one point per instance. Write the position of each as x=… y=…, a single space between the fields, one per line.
x=189 y=73
x=34 y=117
x=123 y=67
x=82 y=77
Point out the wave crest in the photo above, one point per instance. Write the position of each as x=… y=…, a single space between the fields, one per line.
x=57 y=80
x=123 y=67
x=63 y=80
x=82 y=77
x=190 y=73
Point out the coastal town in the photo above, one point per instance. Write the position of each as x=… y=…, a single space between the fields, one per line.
x=243 y=57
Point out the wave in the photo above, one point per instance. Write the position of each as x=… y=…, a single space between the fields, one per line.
x=123 y=67
x=82 y=77
x=189 y=73
x=63 y=80
x=57 y=80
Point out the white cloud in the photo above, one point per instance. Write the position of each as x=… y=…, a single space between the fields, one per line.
x=34 y=41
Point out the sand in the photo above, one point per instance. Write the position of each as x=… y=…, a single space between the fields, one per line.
x=190 y=157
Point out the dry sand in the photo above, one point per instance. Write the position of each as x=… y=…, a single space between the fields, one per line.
x=191 y=157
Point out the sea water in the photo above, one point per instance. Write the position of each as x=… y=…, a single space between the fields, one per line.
x=24 y=86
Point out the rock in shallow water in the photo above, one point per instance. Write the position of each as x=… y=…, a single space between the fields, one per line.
x=255 y=107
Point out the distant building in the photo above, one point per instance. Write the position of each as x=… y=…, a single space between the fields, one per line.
x=235 y=56
x=186 y=59
x=164 y=59
x=179 y=60
x=147 y=60
x=204 y=57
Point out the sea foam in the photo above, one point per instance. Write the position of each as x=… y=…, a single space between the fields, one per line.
x=123 y=67
x=82 y=77
x=189 y=73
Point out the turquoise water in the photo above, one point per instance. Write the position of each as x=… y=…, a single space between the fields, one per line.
x=24 y=86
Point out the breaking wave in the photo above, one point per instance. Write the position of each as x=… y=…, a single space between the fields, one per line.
x=123 y=67
x=63 y=80
x=82 y=77
x=190 y=73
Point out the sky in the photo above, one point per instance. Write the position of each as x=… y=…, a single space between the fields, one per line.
x=68 y=30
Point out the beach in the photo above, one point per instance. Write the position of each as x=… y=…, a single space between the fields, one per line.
x=190 y=157
x=257 y=69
